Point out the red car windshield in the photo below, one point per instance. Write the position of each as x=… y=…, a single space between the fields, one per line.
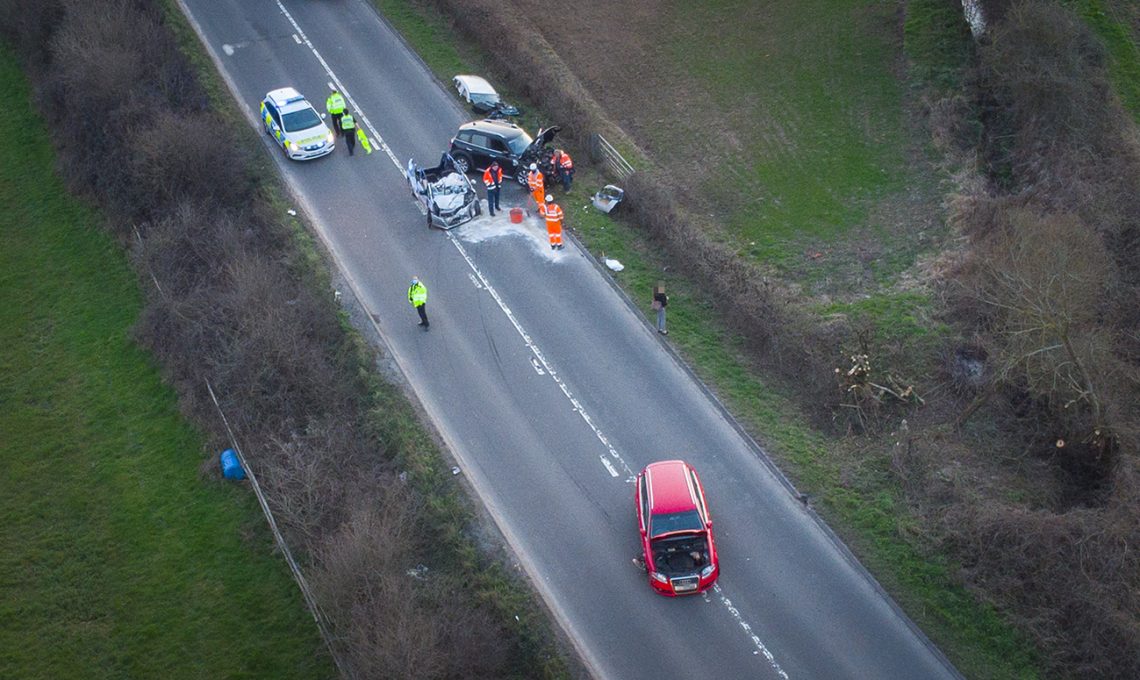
x=667 y=523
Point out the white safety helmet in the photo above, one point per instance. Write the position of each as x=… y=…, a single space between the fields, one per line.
x=533 y=166
x=415 y=280
x=549 y=198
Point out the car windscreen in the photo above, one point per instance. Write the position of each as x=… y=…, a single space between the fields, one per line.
x=665 y=523
x=519 y=143
x=488 y=99
x=301 y=120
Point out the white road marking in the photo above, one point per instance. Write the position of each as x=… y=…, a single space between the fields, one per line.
x=537 y=366
x=756 y=641
x=296 y=39
x=609 y=466
x=228 y=49
x=475 y=281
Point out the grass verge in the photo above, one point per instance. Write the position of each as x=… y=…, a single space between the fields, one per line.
x=118 y=560
x=1107 y=18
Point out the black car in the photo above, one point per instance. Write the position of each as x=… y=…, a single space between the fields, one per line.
x=476 y=144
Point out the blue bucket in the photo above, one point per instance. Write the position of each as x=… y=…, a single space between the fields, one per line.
x=231 y=466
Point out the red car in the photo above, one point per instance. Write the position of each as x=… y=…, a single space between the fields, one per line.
x=676 y=529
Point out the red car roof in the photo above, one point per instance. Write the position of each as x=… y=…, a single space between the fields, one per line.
x=669 y=489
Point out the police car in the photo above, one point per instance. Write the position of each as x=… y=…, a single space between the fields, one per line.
x=290 y=119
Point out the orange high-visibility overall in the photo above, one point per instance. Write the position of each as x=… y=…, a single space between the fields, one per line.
x=553 y=215
x=535 y=181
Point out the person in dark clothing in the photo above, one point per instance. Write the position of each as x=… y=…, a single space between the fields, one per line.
x=348 y=126
x=493 y=179
x=660 y=302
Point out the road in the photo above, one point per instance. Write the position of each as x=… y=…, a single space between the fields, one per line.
x=551 y=390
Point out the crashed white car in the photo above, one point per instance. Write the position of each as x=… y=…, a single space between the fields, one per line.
x=481 y=96
x=295 y=125
x=449 y=197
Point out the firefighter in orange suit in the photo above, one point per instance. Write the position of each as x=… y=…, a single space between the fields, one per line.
x=535 y=182
x=552 y=212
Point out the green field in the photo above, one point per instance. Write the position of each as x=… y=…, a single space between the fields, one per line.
x=119 y=559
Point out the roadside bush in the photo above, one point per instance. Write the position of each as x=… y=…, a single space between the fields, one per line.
x=396 y=613
x=1070 y=578
x=177 y=158
x=27 y=26
x=782 y=339
x=1056 y=129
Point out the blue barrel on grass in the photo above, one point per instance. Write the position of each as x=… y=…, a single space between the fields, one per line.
x=231 y=466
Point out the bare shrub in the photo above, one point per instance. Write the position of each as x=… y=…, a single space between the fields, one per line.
x=1072 y=579
x=176 y=158
x=396 y=617
x=114 y=66
x=953 y=123
x=188 y=247
x=1057 y=128
x=1046 y=277
x=1045 y=65
x=784 y=340
x=27 y=25
x=1051 y=301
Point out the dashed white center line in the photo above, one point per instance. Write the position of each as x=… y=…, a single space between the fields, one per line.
x=296 y=39
x=756 y=641
x=609 y=466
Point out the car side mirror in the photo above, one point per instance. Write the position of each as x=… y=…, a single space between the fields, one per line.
x=708 y=524
x=323 y=116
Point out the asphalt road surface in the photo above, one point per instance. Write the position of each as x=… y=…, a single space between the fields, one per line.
x=551 y=390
